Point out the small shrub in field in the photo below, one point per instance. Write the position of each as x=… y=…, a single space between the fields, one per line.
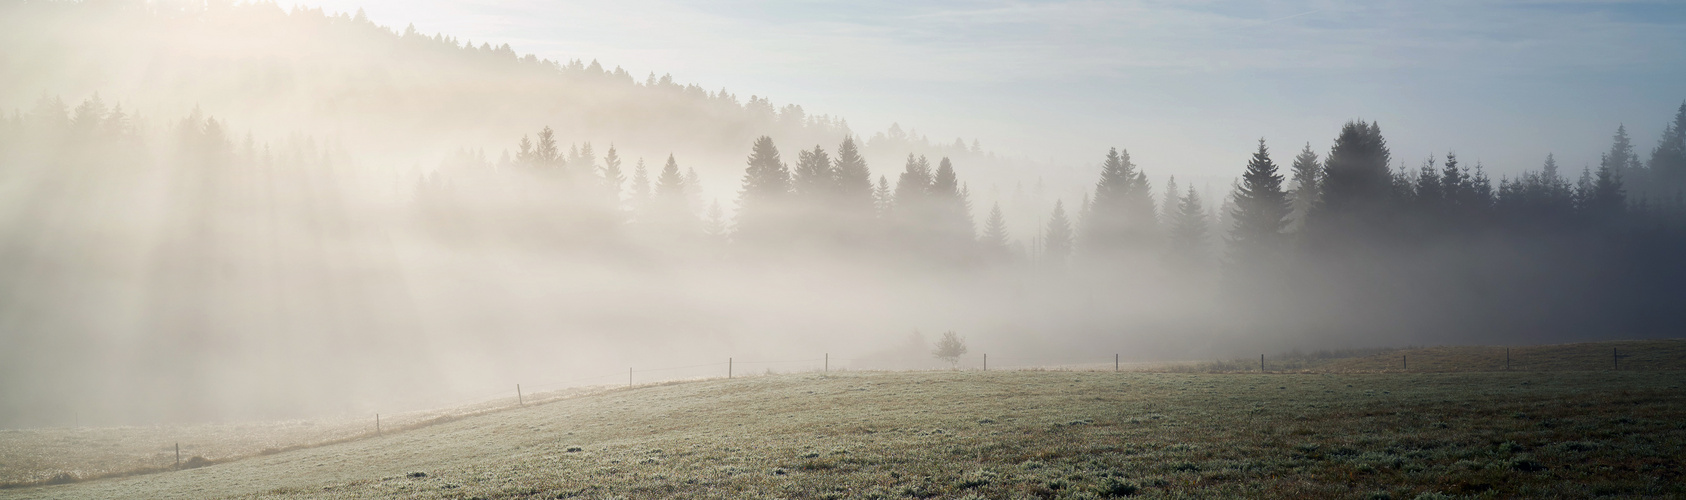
x=1115 y=487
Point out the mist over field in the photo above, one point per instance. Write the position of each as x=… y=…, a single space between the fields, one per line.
x=237 y=211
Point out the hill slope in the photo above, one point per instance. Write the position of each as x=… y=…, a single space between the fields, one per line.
x=1008 y=434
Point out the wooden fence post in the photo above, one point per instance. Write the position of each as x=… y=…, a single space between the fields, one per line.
x=728 y=368
x=1115 y=362
x=377 y=424
x=1261 y=363
x=1404 y=361
x=178 y=455
x=518 y=399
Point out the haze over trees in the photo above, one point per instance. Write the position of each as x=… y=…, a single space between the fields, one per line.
x=176 y=264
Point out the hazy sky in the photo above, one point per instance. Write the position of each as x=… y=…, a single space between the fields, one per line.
x=1185 y=86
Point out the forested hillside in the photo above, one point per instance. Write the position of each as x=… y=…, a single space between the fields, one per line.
x=316 y=214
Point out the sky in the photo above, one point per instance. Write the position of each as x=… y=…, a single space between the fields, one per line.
x=1187 y=87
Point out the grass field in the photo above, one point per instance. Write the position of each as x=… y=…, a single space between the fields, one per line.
x=1026 y=434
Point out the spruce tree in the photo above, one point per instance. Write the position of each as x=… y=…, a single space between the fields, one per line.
x=613 y=177
x=882 y=198
x=1056 y=242
x=914 y=184
x=766 y=187
x=1308 y=177
x=670 y=185
x=1261 y=212
x=1606 y=198
x=950 y=217
x=640 y=186
x=1189 y=232
x=813 y=179
x=1668 y=160
x=853 y=180
x=714 y=222
x=1357 y=188
x=995 y=241
x=546 y=154
x=1121 y=215
x=1168 y=202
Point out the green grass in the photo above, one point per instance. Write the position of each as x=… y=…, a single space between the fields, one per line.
x=1009 y=435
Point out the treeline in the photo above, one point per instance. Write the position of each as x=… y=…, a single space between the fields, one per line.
x=1344 y=241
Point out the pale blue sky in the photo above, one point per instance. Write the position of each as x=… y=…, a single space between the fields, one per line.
x=1187 y=87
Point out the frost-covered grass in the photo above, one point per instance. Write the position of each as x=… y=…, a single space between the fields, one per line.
x=1009 y=435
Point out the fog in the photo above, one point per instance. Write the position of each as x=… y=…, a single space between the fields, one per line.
x=245 y=212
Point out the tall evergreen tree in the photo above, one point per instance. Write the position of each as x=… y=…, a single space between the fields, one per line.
x=766 y=187
x=853 y=179
x=640 y=186
x=1308 y=177
x=914 y=184
x=1189 y=233
x=1057 y=240
x=882 y=198
x=813 y=178
x=546 y=154
x=1607 y=198
x=1622 y=162
x=950 y=217
x=1261 y=211
x=995 y=240
x=1358 y=194
x=1121 y=215
x=1668 y=160
x=670 y=185
x=1168 y=202
x=613 y=177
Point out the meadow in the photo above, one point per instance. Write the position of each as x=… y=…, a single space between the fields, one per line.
x=999 y=434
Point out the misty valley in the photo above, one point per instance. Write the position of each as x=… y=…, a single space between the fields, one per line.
x=260 y=250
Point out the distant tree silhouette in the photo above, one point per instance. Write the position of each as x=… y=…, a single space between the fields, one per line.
x=1121 y=215
x=853 y=181
x=765 y=193
x=1168 y=202
x=1189 y=232
x=1057 y=239
x=1358 y=198
x=640 y=186
x=995 y=240
x=950 y=348
x=1261 y=212
x=813 y=178
x=1307 y=191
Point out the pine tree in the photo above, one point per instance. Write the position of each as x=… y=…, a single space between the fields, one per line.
x=1358 y=194
x=613 y=178
x=670 y=185
x=640 y=186
x=693 y=190
x=1056 y=244
x=1189 y=232
x=766 y=187
x=1121 y=215
x=1308 y=176
x=1261 y=211
x=950 y=215
x=995 y=241
x=913 y=186
x=1168 y=202
x=546 y=154
x=853 y=179
x=882 y=198
x=813 y=177
x=1607 y=198
x=1668 y=160
x=714 y=223
x=585 y=164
